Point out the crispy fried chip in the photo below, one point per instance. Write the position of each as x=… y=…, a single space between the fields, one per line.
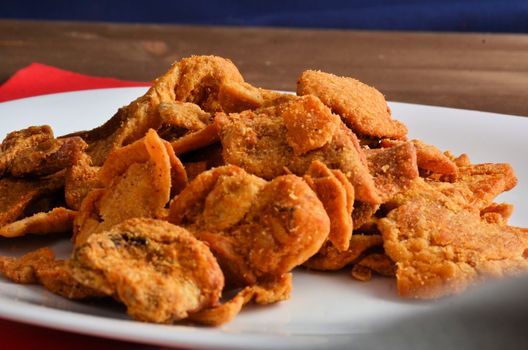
x=235 y=96
x=183 y=116
x=158 y=270
x=40 y=267
x=22 y=197
x=394 y=169
x=201 y=78
x=263 y=293
x=330 y=258
x=47 y=156
x=35 y=152
x=57 y=220
x=18 y=141
x=362 y=108
x=337 y=196
x=23 y=269
x=309 y=125
x=196 y=140
x=137 y=183
x=441 y=248
x=429 y=158
x=477 y=185
x=257 y=230
x=257 y=141
x=80 y=179
x=194 y=79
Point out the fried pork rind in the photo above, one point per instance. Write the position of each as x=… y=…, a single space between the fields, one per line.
x=477 y=185
x=23 y=197
x=195 y=79
x=184 y=116
x=330 y=258
x=362 y=108
x=196 y=140
x=35 y=152
x=440 y=247
x=158 y=270
x=137 y=183
x=337 y=195
x=262 y=293
x=40 y=267
x=235 y=97
x=257 y=141
x=257 y=230
x=58 y=220
x=429 y=158
x=80 y=179
x=309 y=125
x=394 y=169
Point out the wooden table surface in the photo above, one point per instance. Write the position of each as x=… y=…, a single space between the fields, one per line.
x=487 y=72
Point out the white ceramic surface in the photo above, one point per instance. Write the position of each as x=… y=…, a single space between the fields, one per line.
x=325 y=311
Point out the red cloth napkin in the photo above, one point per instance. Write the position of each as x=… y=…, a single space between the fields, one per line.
x=40 y=79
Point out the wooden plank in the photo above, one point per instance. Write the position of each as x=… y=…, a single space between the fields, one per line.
x=476 y=71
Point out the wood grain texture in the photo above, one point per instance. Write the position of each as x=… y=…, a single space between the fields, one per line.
x=487 y=72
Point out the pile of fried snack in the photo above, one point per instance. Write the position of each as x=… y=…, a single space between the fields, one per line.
x=208 y=186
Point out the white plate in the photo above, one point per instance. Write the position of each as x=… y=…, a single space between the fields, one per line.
x=326 y=310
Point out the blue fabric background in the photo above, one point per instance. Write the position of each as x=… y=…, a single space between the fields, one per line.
x=429 y=15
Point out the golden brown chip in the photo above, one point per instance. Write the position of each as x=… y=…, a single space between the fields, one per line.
x=158 y=270
x=58 y=220
x=137 y=183
x=429 y=158
x=196 y=140
x=195 y=79
x=257 y=230
x=263 y=293
x=201 y=78
x=337 y=196
x=394 y=169
x=362 y=108
x=40 y=267
x=330 y=258
x=80 y=179
x=184 y=116
x=309 y=125
x=235 y=96
x=441 y=247
x=478 y=185
x=17 y=141
x=35 y=152
x=23 y=269
x=257 y=142
x=23 y=197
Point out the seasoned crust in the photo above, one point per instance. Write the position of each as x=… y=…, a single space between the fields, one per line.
x=440 y=247
x=362 y=107
x=136 y=182
x=158 y=270
x=256 y=229
x=258 y=142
